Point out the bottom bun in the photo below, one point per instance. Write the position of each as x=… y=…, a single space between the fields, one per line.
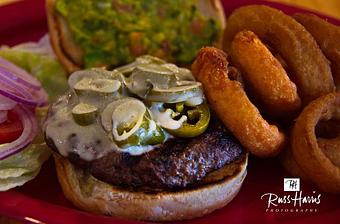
x=90 y=194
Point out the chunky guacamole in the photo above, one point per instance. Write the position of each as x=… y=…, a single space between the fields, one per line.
x=114 y=32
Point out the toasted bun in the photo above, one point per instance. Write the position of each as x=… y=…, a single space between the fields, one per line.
x=60 y=38
x=70 y=54
x=90 y=194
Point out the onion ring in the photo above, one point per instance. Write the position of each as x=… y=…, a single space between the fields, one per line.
x=310 y=68
x=21 y=94
x=232 y=106
x=6 y=103
x=306 y=150
x=18 y=74
x=327 y=36
x=30 y=125
x=264 y=73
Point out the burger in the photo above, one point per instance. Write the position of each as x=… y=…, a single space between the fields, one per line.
x=89 y=33
x=140 y=142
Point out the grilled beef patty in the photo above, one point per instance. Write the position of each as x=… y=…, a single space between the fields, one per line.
x=176 y=164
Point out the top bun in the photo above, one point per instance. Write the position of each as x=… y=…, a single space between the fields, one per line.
x=71 y=55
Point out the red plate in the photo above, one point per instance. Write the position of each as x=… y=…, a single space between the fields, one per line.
x=41 y=200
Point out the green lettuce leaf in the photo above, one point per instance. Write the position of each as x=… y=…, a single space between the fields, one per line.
x=23 y=166
x=11 y=182
x=30 y=158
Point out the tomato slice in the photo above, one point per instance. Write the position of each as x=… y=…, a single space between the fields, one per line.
x=11 y=129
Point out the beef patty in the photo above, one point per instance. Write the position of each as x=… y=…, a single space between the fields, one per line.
x=176 y=164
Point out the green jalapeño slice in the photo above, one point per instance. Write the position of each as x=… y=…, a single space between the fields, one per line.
x=147 y=76
x=127 y=118
x=196 y=124
x=130 y=123
x=98 y=86
x=182 y=121
x=84 y=114
x=181 y=93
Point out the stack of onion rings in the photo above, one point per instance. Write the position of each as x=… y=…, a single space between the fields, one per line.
x=275 y=73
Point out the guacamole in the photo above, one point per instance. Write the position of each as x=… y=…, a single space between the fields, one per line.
x=115 y=32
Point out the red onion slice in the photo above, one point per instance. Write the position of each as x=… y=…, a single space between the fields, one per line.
x=30 y=126
x=6 y=103
x=18 y=75
x=3 y=116
x=20 y=94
